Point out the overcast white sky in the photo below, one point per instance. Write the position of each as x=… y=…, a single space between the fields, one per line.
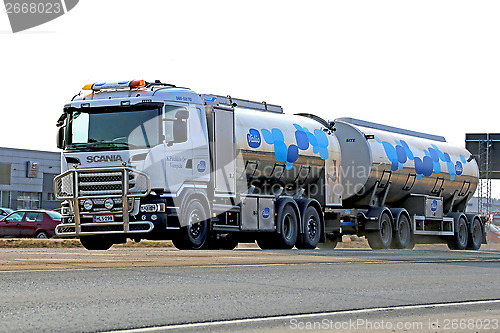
x=430 y=66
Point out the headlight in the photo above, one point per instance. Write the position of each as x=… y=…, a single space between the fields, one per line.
x=88 y=204
x=109 y=203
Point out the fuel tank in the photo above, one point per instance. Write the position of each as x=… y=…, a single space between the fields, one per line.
x=374 y=156
x=278 y=152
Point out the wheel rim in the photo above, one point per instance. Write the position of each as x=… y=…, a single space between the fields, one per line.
x=476 y=233
x=288 y=226
x=404 y=232
x=41 y=235
x=385 y=232
x=195 y=227
x=312 y=227
x=462 y=233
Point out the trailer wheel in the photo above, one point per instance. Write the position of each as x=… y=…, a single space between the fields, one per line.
x=194 y=235
x=403 y=236
x=475 y=236
x=312 y=230
x=96 y=242
x=460 y=239
x=381 y=239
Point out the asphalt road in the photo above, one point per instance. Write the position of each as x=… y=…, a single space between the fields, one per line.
x=72 y=290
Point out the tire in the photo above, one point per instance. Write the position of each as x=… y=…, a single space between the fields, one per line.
x=460 y=239
x=193 y=236
x=475 y=236
x=289 y=228
x=96 y=242
x=42 y=235
x=402 y=238
x=312 y=230
x=381 y=239
x=287 y=223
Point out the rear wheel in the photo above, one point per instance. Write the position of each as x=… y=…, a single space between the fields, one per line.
x=42 y=235
x=287 y=222
x=96 y=242
x=194 y=235
x=381 y=239
x=403 y=236
x=289 y=228
x=460 y=239
x=475 y=236
x=309 y=239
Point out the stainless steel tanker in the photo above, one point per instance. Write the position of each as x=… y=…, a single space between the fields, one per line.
x=209 y=171
x=411 y=162
x=289 y=154
x=400 y=187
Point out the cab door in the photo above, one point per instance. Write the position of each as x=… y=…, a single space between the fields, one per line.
x=178 y=145
x=10 y=226
x=30 y=224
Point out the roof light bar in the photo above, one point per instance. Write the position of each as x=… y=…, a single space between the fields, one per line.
x=114 y=85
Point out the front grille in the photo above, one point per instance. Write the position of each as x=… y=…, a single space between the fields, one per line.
x=101 y=183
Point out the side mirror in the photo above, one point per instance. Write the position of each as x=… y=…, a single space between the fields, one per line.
x=182 y=114
x=180 y=131
x=60 y=137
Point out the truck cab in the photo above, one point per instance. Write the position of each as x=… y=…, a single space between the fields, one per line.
x=128 y=149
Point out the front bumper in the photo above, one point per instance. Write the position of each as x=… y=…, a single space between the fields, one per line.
x=123 y=184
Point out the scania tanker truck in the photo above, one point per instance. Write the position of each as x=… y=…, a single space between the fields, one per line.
x=149 y=160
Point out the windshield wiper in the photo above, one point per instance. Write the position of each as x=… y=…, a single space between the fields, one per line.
x=101 y=144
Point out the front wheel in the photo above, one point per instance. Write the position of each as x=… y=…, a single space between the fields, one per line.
x=382 y=238
x=194 y=235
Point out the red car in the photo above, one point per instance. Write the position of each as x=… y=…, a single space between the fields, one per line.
x=30 y=223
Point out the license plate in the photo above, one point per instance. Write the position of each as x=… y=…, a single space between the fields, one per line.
x=104 y=218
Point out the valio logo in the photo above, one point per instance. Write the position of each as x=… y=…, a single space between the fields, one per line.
x=253 y=138
x=26 y=14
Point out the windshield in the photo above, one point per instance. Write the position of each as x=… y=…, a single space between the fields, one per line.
x=54 y=215
x=113 y=128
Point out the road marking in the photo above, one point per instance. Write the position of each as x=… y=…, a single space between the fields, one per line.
x=302 y=316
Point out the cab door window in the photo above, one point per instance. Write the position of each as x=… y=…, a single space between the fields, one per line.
x=175 y=122
x=15 y=217
x=33 y=217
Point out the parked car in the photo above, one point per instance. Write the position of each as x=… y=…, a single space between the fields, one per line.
x=30 y=223
x=4 y=212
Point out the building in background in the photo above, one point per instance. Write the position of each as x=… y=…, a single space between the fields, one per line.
x=26 y=178
x=493 y=206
